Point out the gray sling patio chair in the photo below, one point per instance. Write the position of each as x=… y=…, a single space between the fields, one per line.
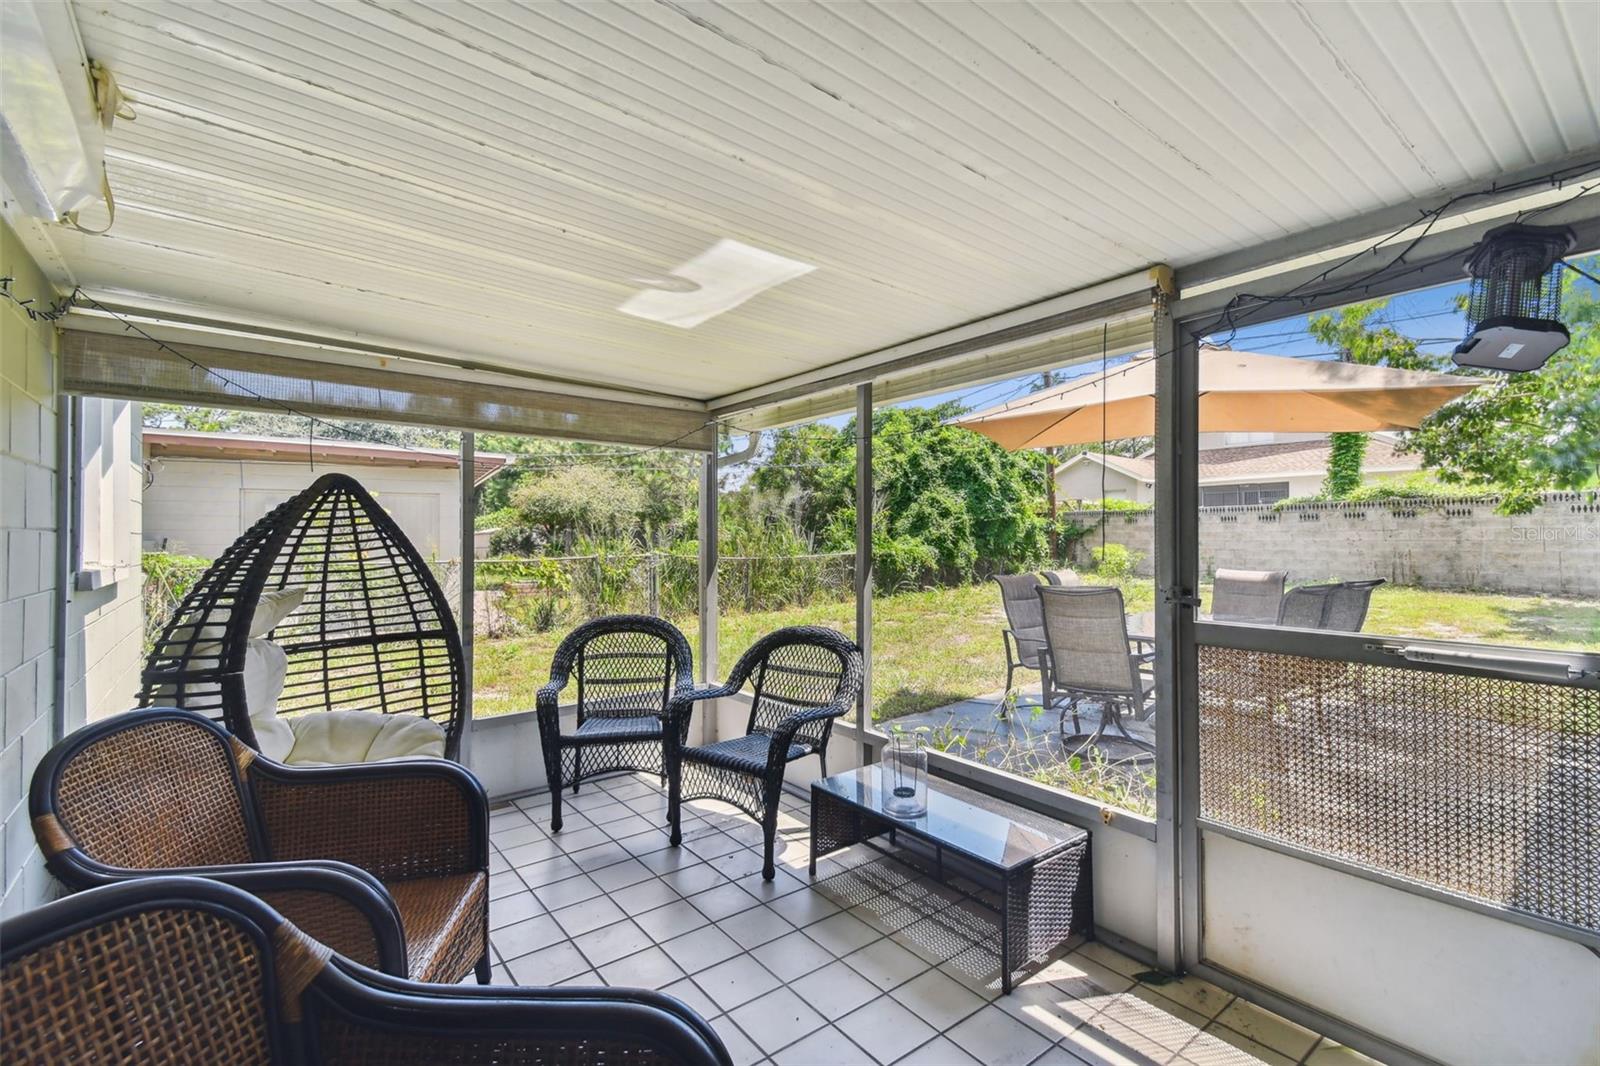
x=1251 y=596
x=1340 y=606
x=1024 y=632
x=1067 y=578
x=1088 y=657
x=1346 y=609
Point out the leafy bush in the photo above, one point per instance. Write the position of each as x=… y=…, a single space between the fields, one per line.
x=609 y=580
x=1415 y=486
x=583 y=500
x=900 y=563
x=1116 y=562
x=167 y=580
x=1110 y=503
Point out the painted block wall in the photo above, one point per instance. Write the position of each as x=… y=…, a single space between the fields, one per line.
x=1450 y=984
x=104 y=627
x=28 y=468
x=1554 y=550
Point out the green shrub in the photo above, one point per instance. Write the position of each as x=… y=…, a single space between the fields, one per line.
x=1110 y=503
x=1116 y=562
x=900 y=563
x=1416 y=486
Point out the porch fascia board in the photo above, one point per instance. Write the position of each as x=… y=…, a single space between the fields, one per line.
x=121 y=366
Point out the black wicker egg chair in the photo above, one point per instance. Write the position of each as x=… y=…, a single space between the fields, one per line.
x=372 y=632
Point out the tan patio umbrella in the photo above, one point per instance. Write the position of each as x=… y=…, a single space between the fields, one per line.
x=1238 y=391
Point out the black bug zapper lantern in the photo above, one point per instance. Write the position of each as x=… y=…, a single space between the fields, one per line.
x=1514 y=310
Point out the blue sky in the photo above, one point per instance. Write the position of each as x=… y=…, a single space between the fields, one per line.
x=1430 y=315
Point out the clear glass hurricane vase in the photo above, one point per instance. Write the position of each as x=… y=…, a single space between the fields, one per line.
x=905 y=776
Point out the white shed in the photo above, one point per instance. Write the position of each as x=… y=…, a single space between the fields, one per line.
x=202 y=490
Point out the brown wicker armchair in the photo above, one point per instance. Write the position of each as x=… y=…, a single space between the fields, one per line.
x=187 y=970
x=386 y=863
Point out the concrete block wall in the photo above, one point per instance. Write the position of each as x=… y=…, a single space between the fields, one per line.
x=28 y=412
x=1555 y=550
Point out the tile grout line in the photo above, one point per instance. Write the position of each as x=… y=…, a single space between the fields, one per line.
x=720 y=826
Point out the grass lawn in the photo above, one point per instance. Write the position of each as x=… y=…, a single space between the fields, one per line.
x=937 y=646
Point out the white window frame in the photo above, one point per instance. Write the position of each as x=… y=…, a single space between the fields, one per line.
x=105 y=464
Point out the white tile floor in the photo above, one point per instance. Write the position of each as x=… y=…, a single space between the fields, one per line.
x=870 y=964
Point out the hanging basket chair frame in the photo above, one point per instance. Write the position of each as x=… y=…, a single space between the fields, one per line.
x=374 y=631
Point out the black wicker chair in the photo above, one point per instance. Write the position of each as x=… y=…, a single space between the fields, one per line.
x=804 y=677
x=372 y=633
x=627 y=668
x=185 y=970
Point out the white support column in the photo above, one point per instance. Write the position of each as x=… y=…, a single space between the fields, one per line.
x=864 y=489
x=707 y=651
x=468 y=582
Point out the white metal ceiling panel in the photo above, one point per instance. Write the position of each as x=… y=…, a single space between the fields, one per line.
x=496 y=180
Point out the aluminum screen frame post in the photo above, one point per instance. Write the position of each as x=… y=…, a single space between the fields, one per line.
x=1176 y=672
x=707 y=623
x=863 y=568
x=468 y=583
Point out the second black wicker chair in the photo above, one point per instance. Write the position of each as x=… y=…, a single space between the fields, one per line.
x=803 y=678
x=627 y=668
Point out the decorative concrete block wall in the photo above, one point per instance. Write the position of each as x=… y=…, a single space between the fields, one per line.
x=1462 y=544
x=27 y=566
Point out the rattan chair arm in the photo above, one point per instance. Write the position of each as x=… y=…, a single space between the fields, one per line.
x=513 y=1019
x=399 y=818
x=549 y=694
x=341 y=881
x=783 y=735
x=792 y=724
x=680 y=708
x=547 y=709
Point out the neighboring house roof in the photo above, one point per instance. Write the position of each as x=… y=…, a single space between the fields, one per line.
x=194 y=444
x=1254 y=462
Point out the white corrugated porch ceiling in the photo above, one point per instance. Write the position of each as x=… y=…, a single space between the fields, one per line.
x=491 y=182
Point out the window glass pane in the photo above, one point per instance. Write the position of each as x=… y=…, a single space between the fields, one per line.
x=1476 y=524
x=964 y=537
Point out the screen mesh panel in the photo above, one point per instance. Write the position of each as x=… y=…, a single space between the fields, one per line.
x=1478 y=786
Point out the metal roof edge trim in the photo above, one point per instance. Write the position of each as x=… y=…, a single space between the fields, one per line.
x=126 y=367
x=1114 y=297
x=1438 y=258
x=185 y=328
x=1375 y=224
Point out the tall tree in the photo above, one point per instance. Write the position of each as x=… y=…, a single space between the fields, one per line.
x=1532 y=432
x=949 y=502
x=1359 y=335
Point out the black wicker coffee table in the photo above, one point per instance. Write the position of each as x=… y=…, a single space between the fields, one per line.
x=1039 y=867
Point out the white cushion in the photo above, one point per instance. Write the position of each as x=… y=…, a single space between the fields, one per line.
x=265 y=667
x=328 y=737
x=273 y=607
x=273 y=736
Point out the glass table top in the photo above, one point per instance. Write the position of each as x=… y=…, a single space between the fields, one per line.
x=989 y=830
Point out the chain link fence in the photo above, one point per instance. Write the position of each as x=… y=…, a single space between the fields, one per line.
x=521 y=596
